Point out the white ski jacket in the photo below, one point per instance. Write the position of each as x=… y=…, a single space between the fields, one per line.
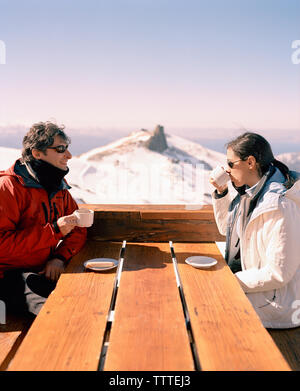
x=270 y=251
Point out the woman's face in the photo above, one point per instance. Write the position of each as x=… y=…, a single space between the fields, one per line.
x=243 y=172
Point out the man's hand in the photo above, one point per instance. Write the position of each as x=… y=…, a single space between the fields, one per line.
x=66 y=224
x=53 y=269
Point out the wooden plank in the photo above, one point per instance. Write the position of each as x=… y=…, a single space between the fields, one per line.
x=137 y=223
x=288 y=342
x=177 y=215
x=228 y=333
x=146 y=207
x=11 y=335
x=68 y=332
x=149 y=332
x=136 y=230
x=152 y=211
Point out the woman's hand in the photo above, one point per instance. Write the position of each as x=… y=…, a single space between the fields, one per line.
x=220 y=189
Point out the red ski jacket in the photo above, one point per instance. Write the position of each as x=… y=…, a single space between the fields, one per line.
x=28 y=238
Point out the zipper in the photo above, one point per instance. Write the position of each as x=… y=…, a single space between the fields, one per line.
x=231 y=226
x=56 y=214
x=269 y=301
x=45 y=211
x=50 y=206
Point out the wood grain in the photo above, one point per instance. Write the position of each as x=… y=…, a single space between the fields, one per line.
x=288 y=342
x=11 y=335
x=227 y=331
x=68 y=332
x=153 y=223
x=149 y=330
x=145 y=207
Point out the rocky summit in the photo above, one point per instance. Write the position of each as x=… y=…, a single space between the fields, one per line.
x=157 y=142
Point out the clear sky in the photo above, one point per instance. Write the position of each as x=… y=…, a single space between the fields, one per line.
x=186 y=64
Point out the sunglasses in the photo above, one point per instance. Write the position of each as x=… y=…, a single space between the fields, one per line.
x=59 y=148
x=231 y=164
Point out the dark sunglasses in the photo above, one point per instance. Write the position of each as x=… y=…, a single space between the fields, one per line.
x=59 y=148
x=231 y=164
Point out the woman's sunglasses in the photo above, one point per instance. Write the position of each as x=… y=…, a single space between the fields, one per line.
x=231 y=164
x=59 y=148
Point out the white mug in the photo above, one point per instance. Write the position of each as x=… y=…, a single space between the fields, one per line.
x=220 y=176
x=85 y=217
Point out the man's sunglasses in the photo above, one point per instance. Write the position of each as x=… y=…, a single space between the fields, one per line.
x=231 y=164
x=59 y=148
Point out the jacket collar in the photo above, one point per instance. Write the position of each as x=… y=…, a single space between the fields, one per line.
x=21 y=171
x=268 y=197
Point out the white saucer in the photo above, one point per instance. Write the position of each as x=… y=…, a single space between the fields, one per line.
x=201 y=261
x=97 y=264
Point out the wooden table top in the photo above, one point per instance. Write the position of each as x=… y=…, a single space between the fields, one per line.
x=194 y=320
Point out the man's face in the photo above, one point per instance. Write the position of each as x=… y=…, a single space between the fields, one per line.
x=51 y=156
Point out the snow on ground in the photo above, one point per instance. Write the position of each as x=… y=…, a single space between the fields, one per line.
x=8 y=156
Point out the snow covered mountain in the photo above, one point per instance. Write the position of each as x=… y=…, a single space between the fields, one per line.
x=144 y=167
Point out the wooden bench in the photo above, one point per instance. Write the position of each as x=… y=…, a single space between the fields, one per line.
x=158 y=313
x=288 y=342
x=11 y=335
x=68 y=332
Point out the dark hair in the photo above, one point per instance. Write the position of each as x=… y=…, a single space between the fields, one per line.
x=41 y=136
x=252 y=144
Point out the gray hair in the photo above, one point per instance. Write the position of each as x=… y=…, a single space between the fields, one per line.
x=41 y=136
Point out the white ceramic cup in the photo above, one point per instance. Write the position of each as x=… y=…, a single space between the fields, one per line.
x=220 y=176
x=85 y=217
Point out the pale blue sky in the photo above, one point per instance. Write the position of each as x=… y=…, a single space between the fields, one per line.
x=132 y=64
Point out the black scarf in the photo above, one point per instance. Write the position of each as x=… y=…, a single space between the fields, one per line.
x=47 y=175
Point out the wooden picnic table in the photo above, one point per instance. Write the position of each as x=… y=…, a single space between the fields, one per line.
x=152 y=313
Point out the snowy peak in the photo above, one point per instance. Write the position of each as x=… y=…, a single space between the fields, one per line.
x=154 y=141
x=175 y=148
x=157 y=142
x=124 y=144
x=145 y=167
x=185 y=151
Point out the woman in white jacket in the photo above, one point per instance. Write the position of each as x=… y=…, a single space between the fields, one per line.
x=262 y=227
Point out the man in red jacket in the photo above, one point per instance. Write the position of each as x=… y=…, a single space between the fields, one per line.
x=38 y=232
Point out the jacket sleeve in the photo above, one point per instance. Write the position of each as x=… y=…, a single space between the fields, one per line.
x=72 y=243
x=282 y=251
x=15 y=242
x=220 y=207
